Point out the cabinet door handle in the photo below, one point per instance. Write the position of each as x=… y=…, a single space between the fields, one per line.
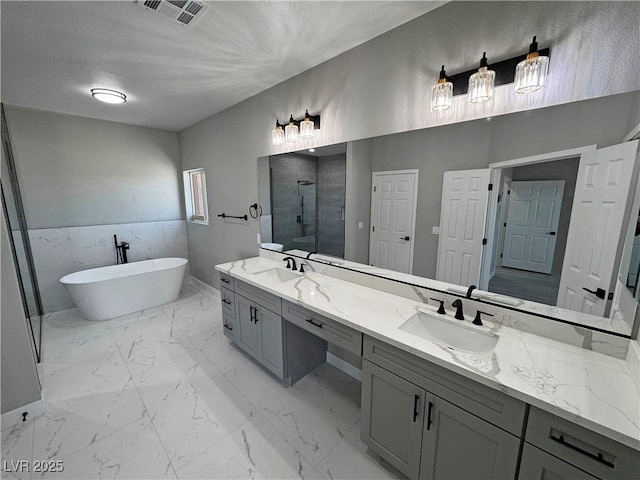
x=415 y=407
x=319 y=325
x=598 y=458
x=225 y=280
x=228 y=327
x=228 y=302
x=429 y=419
x=251 y=314
x=255 y=315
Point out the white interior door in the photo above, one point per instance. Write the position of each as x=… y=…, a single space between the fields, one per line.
x=605 y=179
x=462 y=223
x=393 y=219
x=532 y=225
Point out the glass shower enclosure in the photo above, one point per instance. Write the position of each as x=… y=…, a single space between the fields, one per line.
x=16 y=224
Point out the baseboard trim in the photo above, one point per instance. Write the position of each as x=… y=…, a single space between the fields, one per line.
x=14 y=417
x=204 y=286
x=346 y=367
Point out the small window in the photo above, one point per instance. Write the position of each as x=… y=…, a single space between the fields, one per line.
x=195 y=191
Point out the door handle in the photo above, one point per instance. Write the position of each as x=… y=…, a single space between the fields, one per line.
x=251 y=314
x=228 y=302
x=599 y=292
x=415 y=407
x=405 y=238
x=551 y=233
x=255 y=315
x=228 y=327
x=429 y=419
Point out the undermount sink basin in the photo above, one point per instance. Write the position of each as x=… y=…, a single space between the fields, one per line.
x=452 y=335
x=277 y=275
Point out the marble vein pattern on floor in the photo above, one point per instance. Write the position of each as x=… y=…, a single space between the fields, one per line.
x=162 y=393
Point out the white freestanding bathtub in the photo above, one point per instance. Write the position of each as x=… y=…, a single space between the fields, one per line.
x=108 y=292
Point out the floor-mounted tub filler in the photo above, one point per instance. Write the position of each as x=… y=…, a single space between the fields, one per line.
x=108 y=292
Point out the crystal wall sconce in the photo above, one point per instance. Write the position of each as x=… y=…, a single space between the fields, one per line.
x=295 y=129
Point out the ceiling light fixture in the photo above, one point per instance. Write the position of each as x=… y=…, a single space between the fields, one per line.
x=532 y=71
x=108 y=96
x=482 y=82
x=295 y=129
x=442 y=93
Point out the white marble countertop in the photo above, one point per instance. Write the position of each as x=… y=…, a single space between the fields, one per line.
x=579 y=318
x=588 y=388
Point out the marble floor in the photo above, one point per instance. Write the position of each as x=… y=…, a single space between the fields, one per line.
x=163 y=394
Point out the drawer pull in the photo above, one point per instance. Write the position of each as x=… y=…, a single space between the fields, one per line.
x=228 y=327
x=597 y=457
x=429 y=419
x=225 y=280
x=319 y=325
x=415 y=407
x=228 y=302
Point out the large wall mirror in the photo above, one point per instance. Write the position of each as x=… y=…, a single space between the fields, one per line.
x=537 y=209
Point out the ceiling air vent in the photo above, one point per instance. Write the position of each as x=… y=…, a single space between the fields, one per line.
x=184 y=12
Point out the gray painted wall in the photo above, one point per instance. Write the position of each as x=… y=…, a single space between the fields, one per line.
x=19 y=378
x=358 y=201
x=381 y=87
x=566 y=170
x=76 y=171
x=478 y=143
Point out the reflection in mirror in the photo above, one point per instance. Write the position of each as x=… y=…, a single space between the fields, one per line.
x=306 y=200
x=634 y=265
x=528 y=215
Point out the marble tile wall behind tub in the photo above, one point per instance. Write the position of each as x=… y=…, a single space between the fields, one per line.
x=586 y=338
x=59 y=251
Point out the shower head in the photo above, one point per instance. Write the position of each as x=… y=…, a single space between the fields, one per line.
x=304 y=182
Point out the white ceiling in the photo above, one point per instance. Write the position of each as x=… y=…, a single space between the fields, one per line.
x=54 y=52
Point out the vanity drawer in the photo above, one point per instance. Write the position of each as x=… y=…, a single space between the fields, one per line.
x=323 y=327
x=228 y=325
x=228 y=299
x=259 y=296
x=491 y=405
x=226 y=281
x=587 y=450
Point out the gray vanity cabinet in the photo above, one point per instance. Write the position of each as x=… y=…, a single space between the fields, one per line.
x=577 y=447
x=247 y=334
x=392 y=412
x=539 y=465
x=433 y=424
x=426 y=437
x=458 y=445
x=259 y=333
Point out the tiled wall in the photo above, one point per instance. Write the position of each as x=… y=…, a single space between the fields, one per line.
x=286 y=171
x=60 y=251
x=331 y=200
